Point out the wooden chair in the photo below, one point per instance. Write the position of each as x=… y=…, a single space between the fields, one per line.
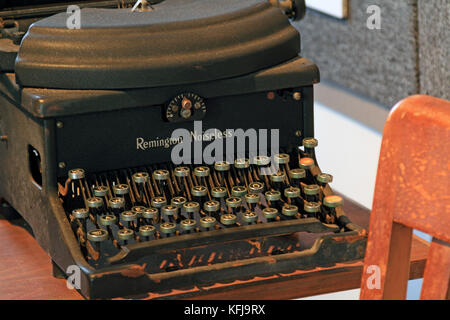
x=412 y=191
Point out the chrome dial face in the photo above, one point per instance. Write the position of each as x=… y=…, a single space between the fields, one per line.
x=186 y=107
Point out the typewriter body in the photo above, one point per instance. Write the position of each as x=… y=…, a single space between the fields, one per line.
x=86 y=155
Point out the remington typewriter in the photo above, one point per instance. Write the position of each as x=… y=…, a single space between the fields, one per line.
x=91 y=159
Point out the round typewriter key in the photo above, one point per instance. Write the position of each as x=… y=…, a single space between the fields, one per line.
x=147 y=230
x=81 y=213
x=241 y=163
x=117 y=203
x=161 y=174
x=121 y=189
x=333 y=201
x=191 y=207
x=310 y=143
x=222 y=166
x=281 y=158
x=140 y=177
x=297 y=174
x=159 y=202
x=125 y=234
x=270 y=213
x=228 y=219
x=311 y=190
x=128 y=216
x=324 y=178
x=199 y=191
x=250 y=217
x=94 y=202
x=261 y=160
x=97 y=235
x=150 y=213
x=100 y=191
x=181 y=172
x=273 y=195
x=289 y=210
x=208 y=222
x=306 y=163
x=201 y=172
x=312 y=207
x=256 y=187
x=76 y=174
x=238 y=191
x=168 y=227
x=139 y=210
x=280 y=176
x=252 y=198
x=178 y=201
x=211 y=206
x=188 y=224
x=219 y=192
x=169 y=210
x=292 y=192
x=108 y=220
x=234 y=202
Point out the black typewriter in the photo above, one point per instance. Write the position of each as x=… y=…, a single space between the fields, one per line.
x=87 y=122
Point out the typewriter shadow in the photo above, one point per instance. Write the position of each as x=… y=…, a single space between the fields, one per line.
x=13 y=217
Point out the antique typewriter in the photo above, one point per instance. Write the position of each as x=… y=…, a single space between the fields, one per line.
x=86 y=153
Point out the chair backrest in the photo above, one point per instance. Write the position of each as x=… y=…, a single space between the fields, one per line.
x=412 y=191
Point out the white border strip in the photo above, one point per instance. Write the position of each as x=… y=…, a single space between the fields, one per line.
x=335 y=8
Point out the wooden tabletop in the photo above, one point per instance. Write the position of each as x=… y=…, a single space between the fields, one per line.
x=26 y=271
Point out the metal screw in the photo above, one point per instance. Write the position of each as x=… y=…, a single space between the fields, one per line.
x=62 y=165
x=297 y=96
x=59 y=124
x=298 y=133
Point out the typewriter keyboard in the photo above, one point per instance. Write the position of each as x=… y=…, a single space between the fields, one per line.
x=110 y=210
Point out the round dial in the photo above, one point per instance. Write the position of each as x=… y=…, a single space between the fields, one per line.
x=186 y=106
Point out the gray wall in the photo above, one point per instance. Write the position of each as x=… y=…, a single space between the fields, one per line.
x=409 y=55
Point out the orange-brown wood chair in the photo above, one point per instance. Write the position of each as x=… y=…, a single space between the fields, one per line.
x=412 y=191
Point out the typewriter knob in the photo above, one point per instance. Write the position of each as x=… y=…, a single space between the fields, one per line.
x=108 y=220
x=256 y=187
x=261 y=160
x=100 y=191
x=76 y=174
x=97 y=235
x=178 y=201
x=191 y=207
x=282 y=158
x=125 y=234
x=289 y=210
x=199 y=191
x=181 y=172
x=234 y=202
x=280 y=176
x=150 y=213
x=212 y=206
x=138 y=210
x=117 y=203
x=147 y=230
x=312 y=207
x=273 y=195
x=306 y=163
x=81 y=213
x=311 y=190
x=188 y=224
x=208 y=222
x=169 y=210
x=121 y=189
x=270 y=213
x=292 y=192
x=333 y=201
x=140 y=177
x=228 y=219
x=222 y=166
x=158 y=202
x=310 y=143
x=186 y=106
x=168 y=227
x=161 y=175
x=219 y=192
x=297 y=173
x=94 y=202
x=250 y=217
x=238 y=191
x=252 y=198
x=241 y=163
x=128 y=216
x=324 y=178
x=201 y=172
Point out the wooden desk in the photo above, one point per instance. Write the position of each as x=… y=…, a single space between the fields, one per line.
x=26 y=271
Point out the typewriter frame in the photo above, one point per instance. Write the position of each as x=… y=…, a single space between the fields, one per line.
x=29 y=118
